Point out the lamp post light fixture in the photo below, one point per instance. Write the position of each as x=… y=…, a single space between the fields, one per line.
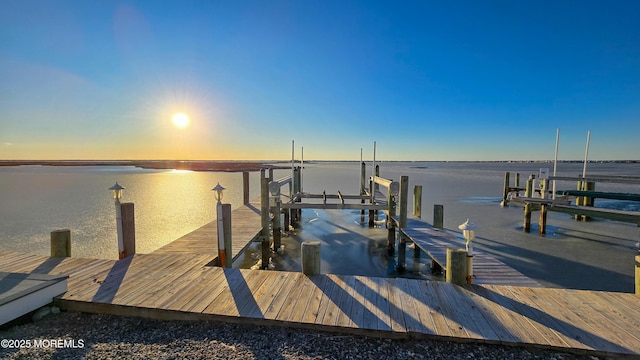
x=117 y=195
x=219 y=189
x=222 y=253
x=469 y=233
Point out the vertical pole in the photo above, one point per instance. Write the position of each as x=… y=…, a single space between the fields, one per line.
x=542 y=223
x=371 y=201
x=277 y=230
x=404 y=195
x=226 y=227
x=586 y=155
x=587 y=200
x=505 y=189
x=301 y=166
x=438 y=216
x=222 y=254
x=373 y=169
x=456 y=271
x=391 y=225
x=61 y=243
x=287 y=221
x=402 y=221
x=638 y=275
x=245 y=187
x=526 y=227
x=376 y=188
x=517 y=180
x=417 y=201
x=128 y=229
x=579 y=199
x=264 y=209
x=363 y=175
x=555 y=164
x=119 y=230
x=293 y=154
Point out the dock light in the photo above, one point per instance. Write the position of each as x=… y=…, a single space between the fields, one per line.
x=218 y=189
x=117 y=191
x=117 y=195
x=469 y=233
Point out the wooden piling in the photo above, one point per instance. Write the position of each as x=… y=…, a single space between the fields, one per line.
x=638 y=275
x=277 y=229
x=417 y=201
x=517 y=180
x=391 y=224
x=526 y=226
x=371 y=201
x=311 y=257
x=61 y=243
x=363 y=182
x=128 y=230
x=264 y=208
x=542 y=222
x=588 y=201
x=226 y=231
x=245 y=187
x=505 y=189
x=402 y=221
x=456 y=271
x=438 y=216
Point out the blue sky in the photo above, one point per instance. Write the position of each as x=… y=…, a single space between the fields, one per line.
x=427 y=80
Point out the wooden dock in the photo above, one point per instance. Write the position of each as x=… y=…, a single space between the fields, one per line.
x=245 y=228
x=180 y=286
x=487 y=269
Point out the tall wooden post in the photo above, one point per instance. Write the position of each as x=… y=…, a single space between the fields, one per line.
x=526 y=227
x=128 y=230
x=277 y=229
x=456 y=271
x=438 y=216
x=245 y=187
x=417 y=201
x=61 y=243
x=376 y=188
x=505 y=189
x=402 y=221
x=363 y=181
x=542 y=223
x=391 y=224
x=638 y=275
x=579 y=199
x=264 y=209
x=228 y=242
x=587 y=200
x=371 y=201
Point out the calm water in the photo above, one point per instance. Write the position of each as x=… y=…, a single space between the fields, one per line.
x=168 y=204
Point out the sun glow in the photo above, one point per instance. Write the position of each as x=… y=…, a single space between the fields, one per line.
x=180 y=120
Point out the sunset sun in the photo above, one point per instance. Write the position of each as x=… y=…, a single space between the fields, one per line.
x=180 y=120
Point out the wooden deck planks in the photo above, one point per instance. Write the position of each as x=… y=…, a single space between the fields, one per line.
x=245 y=227
x=486 y=268
x=557 y=318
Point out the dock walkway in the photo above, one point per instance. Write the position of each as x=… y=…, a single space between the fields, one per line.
x=245 y=228
x=180 y=286
x=486 y=268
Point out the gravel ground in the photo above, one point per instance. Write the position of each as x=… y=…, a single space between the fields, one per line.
x=92 y=336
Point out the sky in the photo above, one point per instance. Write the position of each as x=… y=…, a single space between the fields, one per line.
x=425 y=80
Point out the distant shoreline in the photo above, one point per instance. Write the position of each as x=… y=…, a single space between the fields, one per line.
x=240 y=165
x=197 y=165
